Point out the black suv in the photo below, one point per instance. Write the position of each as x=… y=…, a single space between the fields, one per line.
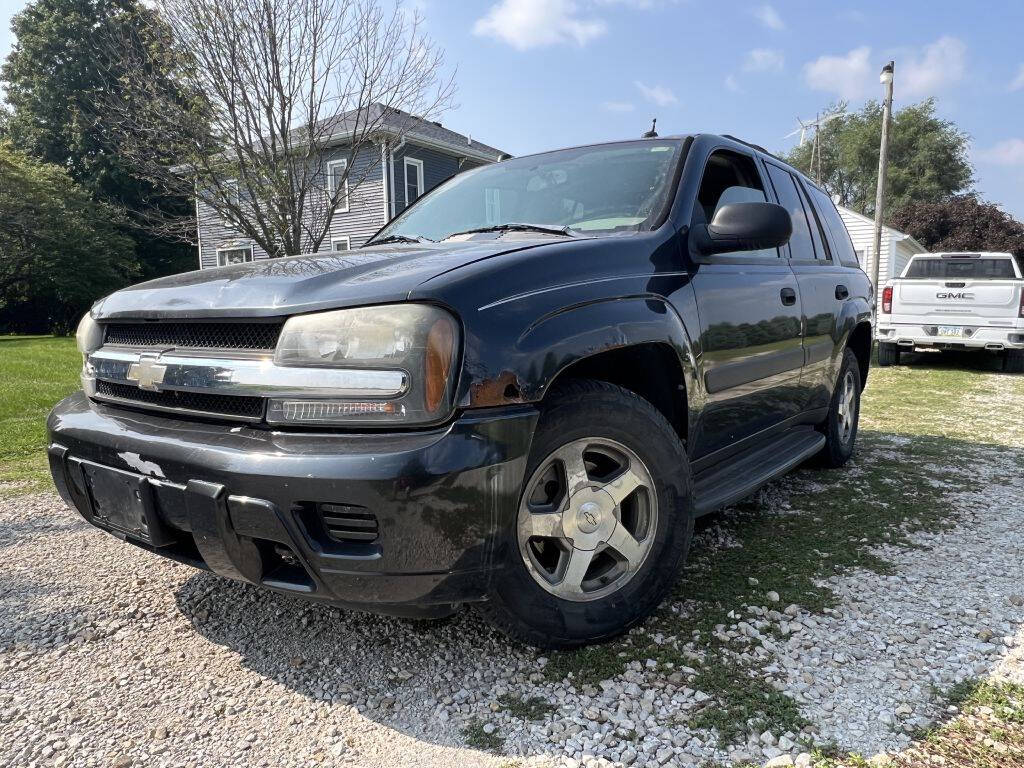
x=520 y=393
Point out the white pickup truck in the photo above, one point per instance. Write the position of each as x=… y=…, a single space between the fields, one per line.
x=961 y=301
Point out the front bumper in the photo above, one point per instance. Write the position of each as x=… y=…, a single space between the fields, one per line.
x=255 y=505
x=974 y=337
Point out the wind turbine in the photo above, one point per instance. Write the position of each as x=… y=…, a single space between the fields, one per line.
x=816 y=124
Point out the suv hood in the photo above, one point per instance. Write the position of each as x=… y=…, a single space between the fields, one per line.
x=296 y=284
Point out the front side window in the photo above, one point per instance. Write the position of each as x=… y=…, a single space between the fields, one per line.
x=729 y=177
x=413 y=180
x=239 y=255
x=622 y=187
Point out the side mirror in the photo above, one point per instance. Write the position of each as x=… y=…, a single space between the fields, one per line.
x=744 y=227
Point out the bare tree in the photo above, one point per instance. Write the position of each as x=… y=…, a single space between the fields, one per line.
x=247 y=95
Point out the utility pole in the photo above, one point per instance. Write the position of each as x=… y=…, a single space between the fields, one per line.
x=883 y=164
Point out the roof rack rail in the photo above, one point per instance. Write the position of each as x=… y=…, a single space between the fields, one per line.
x=750 y=144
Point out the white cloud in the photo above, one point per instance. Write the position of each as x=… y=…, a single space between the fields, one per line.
x=769 y=17
x=657 y=94
x=919 y=73
x=764 y=60
x=940 y=64
x=1007 y=152
x=847 y=76
x=1018 y=81
x=732 y=84
x=618 y=106
x=527 y=24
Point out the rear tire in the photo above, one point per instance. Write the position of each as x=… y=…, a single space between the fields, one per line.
x=1013 y=361
x=840 y=426
x=888 y=354
x=570 y=575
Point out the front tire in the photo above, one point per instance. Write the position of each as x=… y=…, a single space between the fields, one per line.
x=888 y=354
x=840 y=426
x=604 y=521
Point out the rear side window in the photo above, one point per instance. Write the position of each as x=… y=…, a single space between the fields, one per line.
x=839 y=238
x=955 y=269
x=801 y=247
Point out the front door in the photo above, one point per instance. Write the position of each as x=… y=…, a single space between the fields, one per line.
x=750 y=320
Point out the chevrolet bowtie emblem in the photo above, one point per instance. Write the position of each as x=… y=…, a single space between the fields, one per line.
x=148 y=372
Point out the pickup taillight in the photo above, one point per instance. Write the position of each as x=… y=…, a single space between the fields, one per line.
x=1021 y=312
x=887 y=300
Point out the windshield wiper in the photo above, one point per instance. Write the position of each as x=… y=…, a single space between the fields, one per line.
x=401 y=239
x=548 y=230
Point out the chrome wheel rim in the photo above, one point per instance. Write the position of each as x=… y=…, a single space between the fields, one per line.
x=847 y=410
x=587 y=519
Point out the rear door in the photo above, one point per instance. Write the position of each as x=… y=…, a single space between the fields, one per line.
x=957 y=291
x=823 y=281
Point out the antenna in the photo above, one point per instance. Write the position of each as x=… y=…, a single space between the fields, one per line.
x=652 y=134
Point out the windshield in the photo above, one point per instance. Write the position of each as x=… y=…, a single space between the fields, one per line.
x=958 y=269
x=611 y=187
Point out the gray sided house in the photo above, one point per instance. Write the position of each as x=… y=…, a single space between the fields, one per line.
x=407 y=158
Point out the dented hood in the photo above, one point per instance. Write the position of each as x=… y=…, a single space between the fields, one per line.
x=300 y=283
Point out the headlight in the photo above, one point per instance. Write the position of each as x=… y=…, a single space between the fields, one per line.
x=89 y=338
x=415 y=345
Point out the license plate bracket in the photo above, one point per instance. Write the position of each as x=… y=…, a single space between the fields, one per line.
x=951 y=331
x=122 y=501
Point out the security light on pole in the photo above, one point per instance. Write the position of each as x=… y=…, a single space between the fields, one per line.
x=885 y=78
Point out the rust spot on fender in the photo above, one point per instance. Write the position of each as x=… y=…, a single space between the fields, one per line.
x=500 y=390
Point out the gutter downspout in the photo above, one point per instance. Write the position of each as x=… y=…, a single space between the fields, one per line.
x=199 y=229
x=397 y=148
x=384 y=177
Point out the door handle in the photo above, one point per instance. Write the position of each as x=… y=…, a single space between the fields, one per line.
x=788 y=296
x=842 y=292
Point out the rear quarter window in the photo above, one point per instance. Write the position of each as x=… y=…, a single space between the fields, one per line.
x=842 y=246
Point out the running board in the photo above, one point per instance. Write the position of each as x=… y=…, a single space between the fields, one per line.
x=739 y=476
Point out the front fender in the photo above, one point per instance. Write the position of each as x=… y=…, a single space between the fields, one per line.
x=560 y=338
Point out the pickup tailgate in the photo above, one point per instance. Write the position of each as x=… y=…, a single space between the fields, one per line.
x=972 y=302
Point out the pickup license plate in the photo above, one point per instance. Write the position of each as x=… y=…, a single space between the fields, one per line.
x=119 y=500
x=951 y=330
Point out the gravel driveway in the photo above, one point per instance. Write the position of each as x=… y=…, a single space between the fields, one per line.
x=110 y=656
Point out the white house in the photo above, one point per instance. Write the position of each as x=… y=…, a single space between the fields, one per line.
x=897 y=247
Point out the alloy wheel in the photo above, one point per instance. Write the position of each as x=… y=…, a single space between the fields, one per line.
x=587 y=519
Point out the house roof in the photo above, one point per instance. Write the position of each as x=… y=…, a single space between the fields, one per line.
x=895 y=233
x=414 y=129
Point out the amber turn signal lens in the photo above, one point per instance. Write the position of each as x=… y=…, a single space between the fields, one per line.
x=440 y=343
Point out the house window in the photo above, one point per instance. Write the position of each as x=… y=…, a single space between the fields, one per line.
x=234 y=255
x=413 y=179
x=335 y=179
x=340 y=243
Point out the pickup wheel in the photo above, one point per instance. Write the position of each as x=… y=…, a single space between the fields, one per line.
x=604 y=520
x=840 y=426
x=1013 y=361
x=888 y=354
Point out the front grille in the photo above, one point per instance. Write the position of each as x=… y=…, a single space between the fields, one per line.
x=246 y=335
x=200 y=402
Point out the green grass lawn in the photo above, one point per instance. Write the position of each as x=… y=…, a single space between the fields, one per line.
x=35 y=372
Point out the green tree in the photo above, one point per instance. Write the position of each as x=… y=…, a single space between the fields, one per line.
x=59 y=248
x=62 y=66
x=928 y=157
x=962 y=223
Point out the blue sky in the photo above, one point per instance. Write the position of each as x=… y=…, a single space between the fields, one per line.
x=539 y=74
